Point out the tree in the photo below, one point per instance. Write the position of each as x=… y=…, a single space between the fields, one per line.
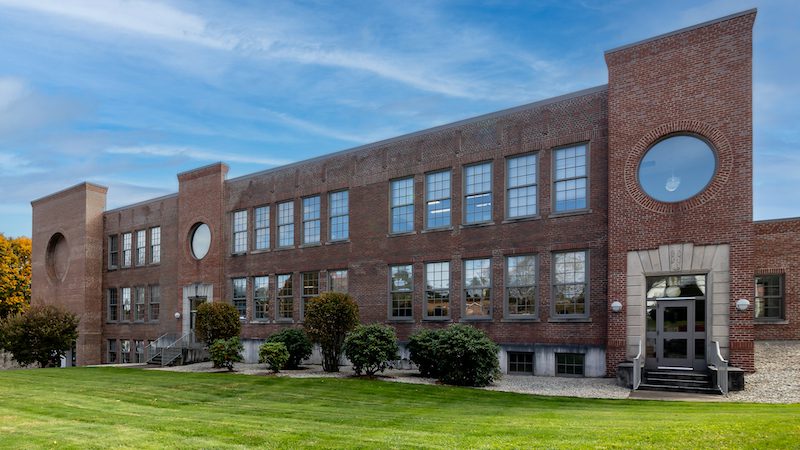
x=296 y=343
x=42 y=334
x=15 y=275
x=329 y=318
x=371 y=348
x=216 y=320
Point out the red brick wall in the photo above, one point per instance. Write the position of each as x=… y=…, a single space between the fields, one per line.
x=777 y=250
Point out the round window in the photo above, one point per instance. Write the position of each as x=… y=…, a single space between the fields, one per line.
x=201 y=240
x=677 y=168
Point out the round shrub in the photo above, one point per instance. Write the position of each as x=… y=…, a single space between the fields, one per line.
x=42 y=334
x=274 y=354
x=467 y=357
x=296 y=342
x=329 y=318
x=423 y=347
x=216 y=320
x=225 y=352
x=370 y=348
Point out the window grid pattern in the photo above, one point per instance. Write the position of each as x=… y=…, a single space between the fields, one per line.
x=138 y=348
x=401 y=290
x=286 y=224
x=112 y=351
x=311 y=220
x=261 y=298
x=285 y=296
x=520 y=362
x=310 y=287
x=339 y=210
x=569 y=364
x=240 y=297
x=126 y=305
x=569 y=287
x=521 y=195
x=337 y=280
x=437 y=289
x=570 y=178
x=139 y=306
x=437 y=199
x=126 y=250
x=155 y=245
x=403 y=205
x=262 y=227
x=769 y=297
x=240 y=231
x=113 y=252
x=478 y=193
x=155 y=302
x=125 y=351
x=521 y=285
x=477 y=284
x=113 y=305
x=141 y=245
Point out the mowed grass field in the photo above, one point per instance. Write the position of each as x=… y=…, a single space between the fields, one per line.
x=132 y=408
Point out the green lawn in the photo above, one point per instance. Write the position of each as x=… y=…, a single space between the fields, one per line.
x=111 y=407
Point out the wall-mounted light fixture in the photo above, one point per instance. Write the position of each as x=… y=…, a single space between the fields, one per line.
x=177 y=315
x=616 y=306
x=742 y=304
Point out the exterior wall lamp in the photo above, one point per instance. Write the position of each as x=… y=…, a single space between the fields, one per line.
x=616 y=306
x=177 y=315
x=742 y=304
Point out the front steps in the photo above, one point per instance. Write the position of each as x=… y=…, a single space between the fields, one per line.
x=678 y=381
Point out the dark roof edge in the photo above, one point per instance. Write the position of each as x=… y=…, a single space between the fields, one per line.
x=459 y=123
x=75 y=186
x=143 y=202
x=683 y=30
x=780 y=219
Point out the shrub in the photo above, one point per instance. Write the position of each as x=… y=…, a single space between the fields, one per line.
x=467 y=357
x=215 y=321
x=296 y=342
x=42 y=334
x=329 y=318
x=422 y=347
x=370 y=348
x=274 y=354
x=225 y=352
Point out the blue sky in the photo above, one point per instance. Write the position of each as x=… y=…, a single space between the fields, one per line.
x=129 y=93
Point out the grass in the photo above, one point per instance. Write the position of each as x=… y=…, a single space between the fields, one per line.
x=132 y=408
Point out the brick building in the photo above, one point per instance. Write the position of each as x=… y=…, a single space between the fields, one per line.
x=579 y=232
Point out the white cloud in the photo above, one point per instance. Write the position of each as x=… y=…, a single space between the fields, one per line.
x=15 y=165
x=192 y=153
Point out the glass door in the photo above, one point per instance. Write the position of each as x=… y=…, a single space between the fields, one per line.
x=675 y=331
x=675 y=344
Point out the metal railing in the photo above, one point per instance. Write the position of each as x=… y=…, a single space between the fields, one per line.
x=170 y=346
x=637 y=368
x=715 y=359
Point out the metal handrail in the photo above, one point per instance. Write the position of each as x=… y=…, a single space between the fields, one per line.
x=637 y=368
x=156 y=347
x=716 y=360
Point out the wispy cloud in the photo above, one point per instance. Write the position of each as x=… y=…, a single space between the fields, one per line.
x=16 y=165
x=193 y=153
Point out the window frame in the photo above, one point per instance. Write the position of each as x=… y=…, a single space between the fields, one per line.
x=554 y=317
x=426 y=190
x=507 y=314
x=115 y=305
x=508 y=186
x=155 y=245
x=303 y=296
x=125 y=351
x=464 y=290
x=126 y=263
x=289 y=203
x=390 y=314
x=317 y=219
x=515 y=353
x=139 y=307
x=782 y=289
x=151 y=303
x=113 y=252
x=265 y=228
x=465 y=195
x=239 y=236
x=392 y=206
x=332 y=216
x=141 y=248
x=554 y=180
x=112 y=354
x=125 y=316
x=330 y=279
x=280 y=298
x=449 y=289
x=265 y=299
x=236 y=301
x=566 y=364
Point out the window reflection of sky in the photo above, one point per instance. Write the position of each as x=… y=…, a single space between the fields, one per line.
x=677 y=168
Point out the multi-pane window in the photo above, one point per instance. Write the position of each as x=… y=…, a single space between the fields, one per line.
x=401 y=290
x=125 y=350
x=262 y=227
x=240 y=231
x=437 y=199
x=155 y=245
x=113 y=252
x=141 y=246
x=286 y=224
x=769 y=297
x=113 y=305
x=112 y=351
x=521 y=285
x=478 y=193
x=339 y=211
x=126 y=250
x=310 y=287
x=437 y=290
x=155 y=302
x=570 y=178
x=138 y=347
x=521 y=186
x=261 y=298
x=138 y=303
x=311 y=220
x=240 y=297
x=570 y=284
x=285 y=296
x=520 y=362
x=403 y=205
x=337 y=280
x=126 y=304
x=477 y=287
x=570 y=364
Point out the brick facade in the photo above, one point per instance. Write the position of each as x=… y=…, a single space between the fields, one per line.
x=777 y=251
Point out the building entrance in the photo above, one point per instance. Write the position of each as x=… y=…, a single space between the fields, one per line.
x=675 y=322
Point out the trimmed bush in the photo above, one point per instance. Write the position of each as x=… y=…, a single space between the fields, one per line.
x=216 y=320
x=370 y=348
x=467 y=357
x=42 y=334
x=225 y=352
x=329 y=318
x=423 y=347
x=296 y=342
x=274 y=354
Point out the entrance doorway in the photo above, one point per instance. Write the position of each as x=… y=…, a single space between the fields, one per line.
x=675 y=322
x=194 y=302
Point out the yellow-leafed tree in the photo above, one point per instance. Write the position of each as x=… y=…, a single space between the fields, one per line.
x=15 y=275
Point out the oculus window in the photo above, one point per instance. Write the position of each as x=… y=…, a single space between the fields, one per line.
x=201 y=241
x=677 y=168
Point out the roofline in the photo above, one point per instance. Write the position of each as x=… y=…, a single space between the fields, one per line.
x=403 y=137
x=87 y=184
x=780 y=219
x=198 y=169
x=143 y=202
x=683 y=30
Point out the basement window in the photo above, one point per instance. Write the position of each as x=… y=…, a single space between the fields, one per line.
x=570 y=364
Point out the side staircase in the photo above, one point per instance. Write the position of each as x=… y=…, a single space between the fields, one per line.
x=172 y=348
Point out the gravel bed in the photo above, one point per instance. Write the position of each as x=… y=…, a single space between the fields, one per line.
x=777 y=377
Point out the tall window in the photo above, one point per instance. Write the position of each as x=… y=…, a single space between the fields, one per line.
x=141 y=246
x=311 y=220
x=337 y=280
x=339 y=211
x=310 y=287
x=437 y=199
x=478 y=193
x=112 y=351
x=125 y=350
x=437 y=290
x=521 y=285
x=521 y=186
x=240 y=231
x=285 y=296
x=155 y=245
x=155 y=302
x=113 y=305
x=240 y=297
x=126 y=305
x=113 y=252
x=477 y=287
x=138 y=347
x=286 y=224
x=401 y=291
x=126 y=250
x=570 y=284
x=262 y=228
x=403 y=205
x=769 y=297
x=139 y=310
x=570 y=178
x=261 y=298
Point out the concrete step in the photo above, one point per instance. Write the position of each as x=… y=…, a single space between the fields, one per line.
x=670 y=388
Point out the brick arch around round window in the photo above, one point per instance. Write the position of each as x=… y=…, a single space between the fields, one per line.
x=719 y=144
